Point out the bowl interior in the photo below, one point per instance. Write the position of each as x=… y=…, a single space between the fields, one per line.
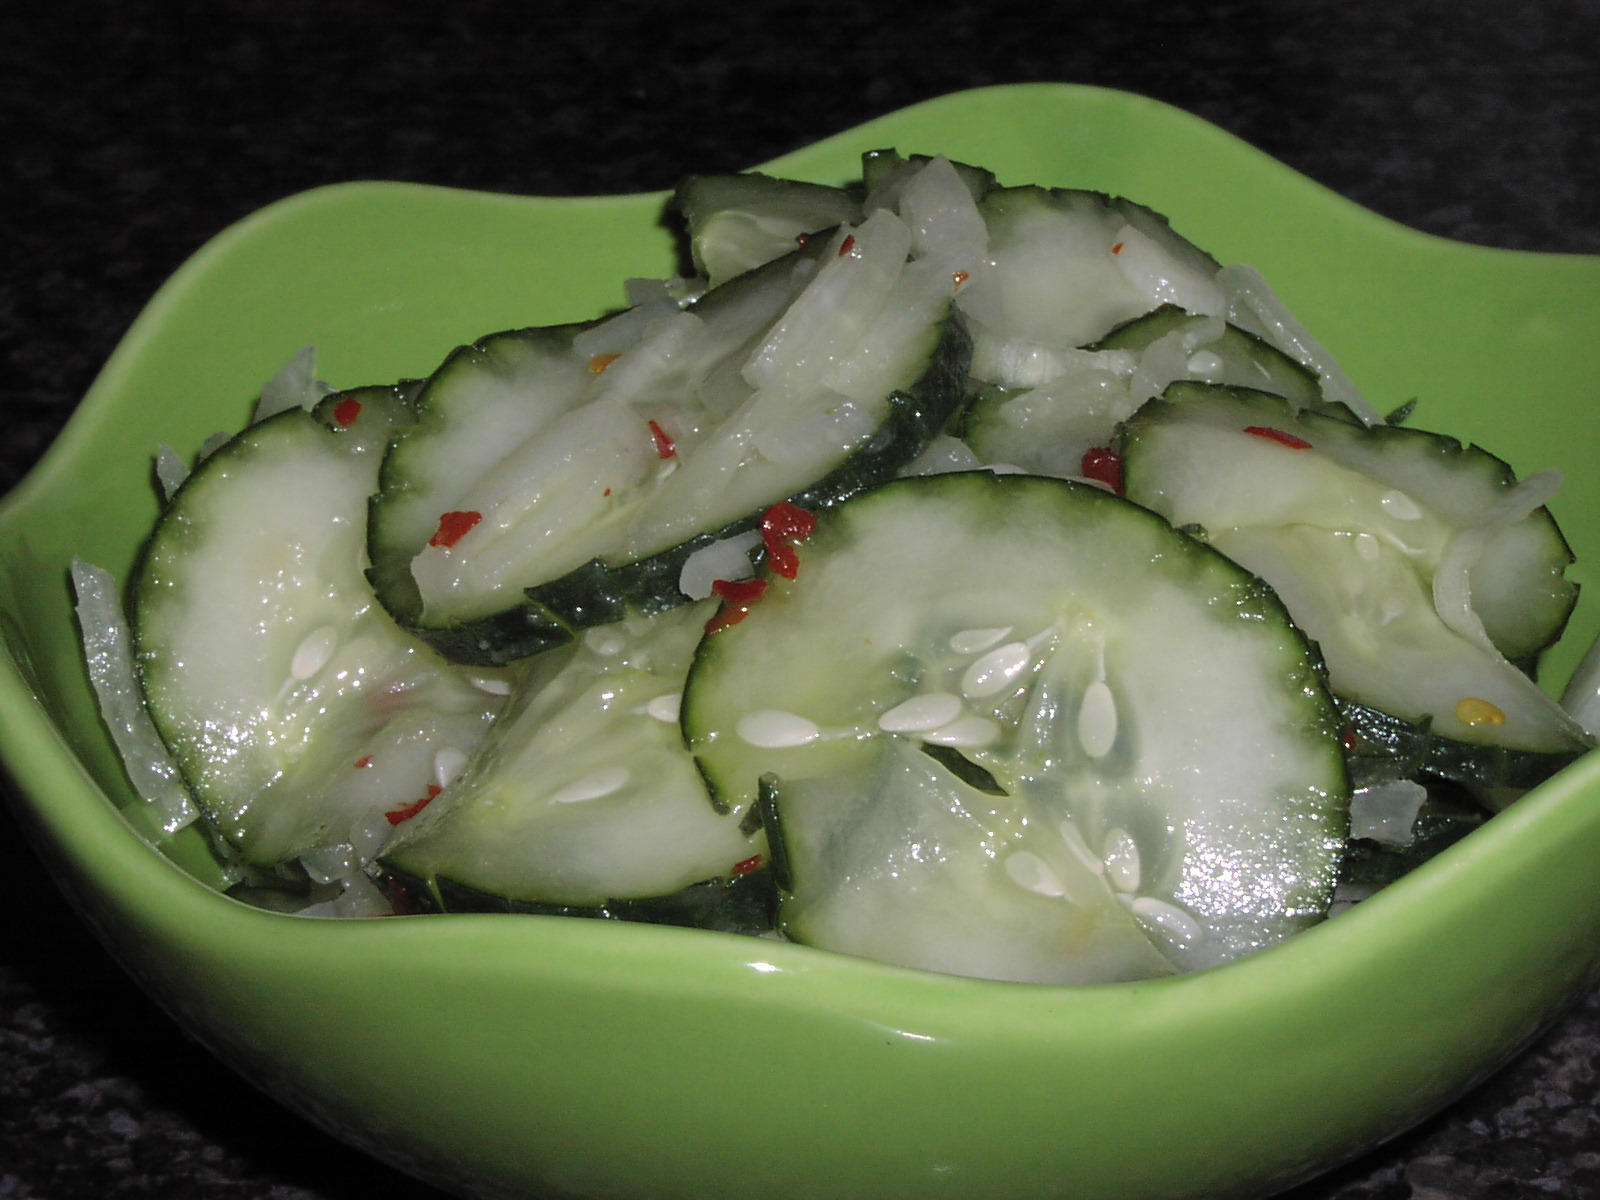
x=1499 y=348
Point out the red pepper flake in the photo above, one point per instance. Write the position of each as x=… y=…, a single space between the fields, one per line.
x=453 y=526
x=1348 y=739
x=406 y=811
x=746 y=866
x=802 y=240
x=346 y=411
x=958 y=278
x=1279 y=436
x=781 y=526
x=728 y=614
x=363 y=762
x=607 y=492
x=739 y=591
x=1117 y=249
x=847 y=245
x=665 y=446
x=600 y=362
x=1103 y=465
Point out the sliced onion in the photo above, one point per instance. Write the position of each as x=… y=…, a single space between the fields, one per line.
x=1254 y=306
x=1387 y=812
x=1163 y=278
x=294 y=386
x=108 y=651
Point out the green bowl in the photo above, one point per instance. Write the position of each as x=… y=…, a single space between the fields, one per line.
x=508 y=1055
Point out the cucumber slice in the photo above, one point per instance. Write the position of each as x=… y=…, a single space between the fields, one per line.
x=300 y=714
x=485 y=398
x=1048 y=429
x=1353 y=527
x=583 y=795
x=740 y=222
x=1173 y=786
x=1067 y=268
x=808 y=378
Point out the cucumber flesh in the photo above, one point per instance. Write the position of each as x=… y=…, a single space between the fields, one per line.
x=1158 y=728
x=737 y=223
x=1067 y=268
x=583 y=795
x=1351 y=525
x=811 y=377
x=1048 y=429
x=299 y=713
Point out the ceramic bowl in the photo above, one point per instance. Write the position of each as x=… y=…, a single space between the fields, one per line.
x=503 y=1055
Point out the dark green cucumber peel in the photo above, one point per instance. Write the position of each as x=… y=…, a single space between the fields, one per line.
x=879 y=167
x=390 y=550
x=744 y=904
x=1388 y=747
x=1295 y=382
x=599 y=594
x=1442 y=821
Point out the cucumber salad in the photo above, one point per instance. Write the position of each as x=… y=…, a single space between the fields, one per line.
x=975 y=578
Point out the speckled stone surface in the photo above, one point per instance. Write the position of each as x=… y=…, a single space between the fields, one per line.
x=132 y=132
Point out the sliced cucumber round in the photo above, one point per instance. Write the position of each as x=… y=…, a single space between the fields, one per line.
x=1067 y=268
x=301 y=715
x=1353 y=527
x=581 y=500
x=583 y=795
x=1018 y=728
x=737 y=223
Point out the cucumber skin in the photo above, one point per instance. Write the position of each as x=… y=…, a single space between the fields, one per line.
x=1414 y=747
x=744 y=904
x=1388 y=746
x=597 y=594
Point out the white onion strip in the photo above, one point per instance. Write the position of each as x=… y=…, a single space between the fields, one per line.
x=108 y=652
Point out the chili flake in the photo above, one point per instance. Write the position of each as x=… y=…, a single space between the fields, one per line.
x=408 y=810
x=847 y=245
x=346 y=411
x=739 y=591
x=782 y=525
x=1279 y=436
x=747 y=865
x=1117 y=249
x=1103 y=465
x=728 y=614
x=665 y=446
x=958 y=278
x=363 y=762
x=600 y=362
x=453 y=526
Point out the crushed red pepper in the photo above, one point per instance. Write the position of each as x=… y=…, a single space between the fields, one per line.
x=665 y=446
x=346 y=411
x=1279 y=436
x=600 y=362
x=739 y=591
x=747 y=865
x=781 y=526
x=364 y=761
x=1103 y=465
x=728 y=614
x=847 y=245
x=410 y=809
x=453 y=526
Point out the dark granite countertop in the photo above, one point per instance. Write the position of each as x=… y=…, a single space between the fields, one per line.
x=133 y=131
